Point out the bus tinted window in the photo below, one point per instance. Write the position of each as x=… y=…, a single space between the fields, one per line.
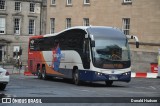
x=34 y=45
x=72 y=39
x=69 y=40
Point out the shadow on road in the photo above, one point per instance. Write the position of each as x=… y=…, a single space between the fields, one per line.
x=2 y=95
x=86 y=84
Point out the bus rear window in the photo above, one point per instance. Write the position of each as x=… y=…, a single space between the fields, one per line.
x=34 y=44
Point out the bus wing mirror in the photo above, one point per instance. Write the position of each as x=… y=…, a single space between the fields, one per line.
x=137 y=44
x=135 y=38
x=93 y=43
x=137 y=41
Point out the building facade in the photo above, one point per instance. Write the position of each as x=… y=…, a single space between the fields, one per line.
x=134 y=17
x=19 y=19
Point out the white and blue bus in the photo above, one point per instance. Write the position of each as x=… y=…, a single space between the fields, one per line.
x=83 y=53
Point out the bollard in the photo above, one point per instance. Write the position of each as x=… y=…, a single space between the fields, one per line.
x=158 y=64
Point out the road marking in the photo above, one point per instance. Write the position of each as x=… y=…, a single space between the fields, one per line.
x=108 y=94
x=153 y=87
x=150 y=87
x=83 y=90
x=141 y=87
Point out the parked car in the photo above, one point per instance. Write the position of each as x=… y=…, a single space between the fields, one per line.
x=4 y=78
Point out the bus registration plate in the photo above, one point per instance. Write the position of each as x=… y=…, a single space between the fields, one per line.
x=113 y=77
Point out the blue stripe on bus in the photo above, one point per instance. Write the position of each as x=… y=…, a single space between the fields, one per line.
x=88 y=75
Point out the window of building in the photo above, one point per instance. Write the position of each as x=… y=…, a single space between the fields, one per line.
x=17 y=26
x=2 y=4
x=85 y=21
x=52 y=21
x=86 y=1
x=53 y=2
x=126 y=26
x=68 y=23
x=18 y=6
x=127 y=1
x=2 y=25
x=32 y=7
x=69 y=2
x=31 y=27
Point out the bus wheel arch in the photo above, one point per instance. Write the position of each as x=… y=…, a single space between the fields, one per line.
x=75 y=75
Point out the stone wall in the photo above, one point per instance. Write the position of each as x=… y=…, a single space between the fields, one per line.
x=141 y=60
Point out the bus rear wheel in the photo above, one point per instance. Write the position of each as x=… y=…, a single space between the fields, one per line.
x=39 y=73
x=44 y=73
x=76 y=77
x=109 y=83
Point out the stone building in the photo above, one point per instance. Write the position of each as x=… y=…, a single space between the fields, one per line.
x=134 y=17
x=19 y=19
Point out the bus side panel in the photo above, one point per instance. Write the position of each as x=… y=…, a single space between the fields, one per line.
x=67 y=72
x=31 y=65
x=46 y=59
x=31 y=62
x=69 y=59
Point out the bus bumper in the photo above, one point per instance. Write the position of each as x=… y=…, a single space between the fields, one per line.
x=96 y=76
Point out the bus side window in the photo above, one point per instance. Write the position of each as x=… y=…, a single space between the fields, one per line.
x=49 y=43
x=85 y=46
x=41 y=44
x=56 y=43
x=36 y=45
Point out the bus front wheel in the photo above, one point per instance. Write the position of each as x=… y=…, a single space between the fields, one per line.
x=76 y=77
x=2 y=86
x=109 y=83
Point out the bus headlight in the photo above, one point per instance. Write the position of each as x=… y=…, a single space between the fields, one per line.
x=127 y=73
x=97 y=73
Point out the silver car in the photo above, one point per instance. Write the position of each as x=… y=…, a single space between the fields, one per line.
x=4 y=78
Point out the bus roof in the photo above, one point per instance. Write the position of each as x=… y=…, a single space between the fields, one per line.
x=79 y=27
x=76 y=27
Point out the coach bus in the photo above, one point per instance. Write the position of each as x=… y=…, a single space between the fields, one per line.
x=82 y=53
